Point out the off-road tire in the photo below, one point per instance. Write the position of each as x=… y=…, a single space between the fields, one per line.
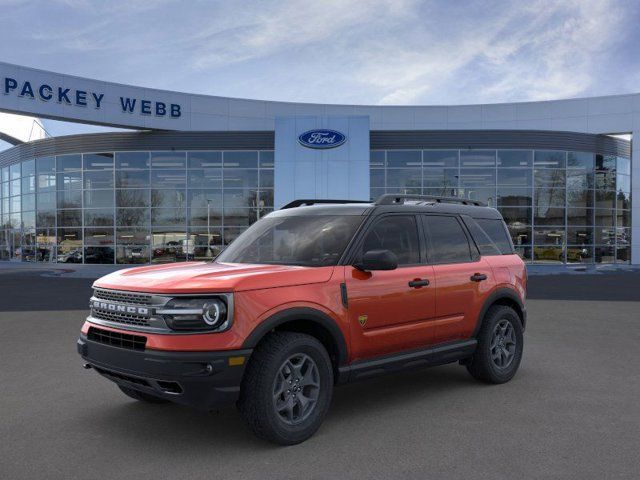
x=482 y=365
x=141 y=396
x=257 y=403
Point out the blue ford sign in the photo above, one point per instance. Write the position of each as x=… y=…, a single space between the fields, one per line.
x=322 y=138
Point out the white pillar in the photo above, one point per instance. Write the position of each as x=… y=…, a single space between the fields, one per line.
x=635 y=193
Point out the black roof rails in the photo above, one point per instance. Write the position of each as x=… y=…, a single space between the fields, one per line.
x=300 y=203
x=395 y=199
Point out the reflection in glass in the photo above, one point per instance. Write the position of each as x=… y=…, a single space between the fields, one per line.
x=548 y=254
x=204 y=160
x=98 y=236
x=132 y=160
x=440 y=158
x=168 y=160
x=514 y=177
x=205 y=178
x=404 y=177
x=101 y=255
x=515 y=158
x=133 y=216
x=404 y=159
x=549 y=178
x=515 y=197
x=98 y=217
x=132 y=198
x=583 y=160
x=64 y=163
x=132 y=254
x=97 y=161
x=240 y=159
x=549 y=159
x=477 y=158
x=132 y=178
x=98 y=179
x=477 y=177
x=580 y=236
x=69 y=199
x=548 y=216
x=238 y=178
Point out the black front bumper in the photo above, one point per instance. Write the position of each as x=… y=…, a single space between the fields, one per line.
x=204 y=380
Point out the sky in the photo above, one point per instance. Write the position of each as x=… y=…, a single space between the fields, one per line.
x=387 y=52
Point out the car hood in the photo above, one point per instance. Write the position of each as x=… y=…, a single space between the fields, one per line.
x=205 y=277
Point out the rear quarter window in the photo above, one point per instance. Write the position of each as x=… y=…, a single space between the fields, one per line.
x=497 y=232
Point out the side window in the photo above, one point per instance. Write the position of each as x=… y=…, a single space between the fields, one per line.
x=484 y=243
x=397 y=233
x=496 y=231
x=446 y=239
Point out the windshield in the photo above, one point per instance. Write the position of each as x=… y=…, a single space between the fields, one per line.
x=313 y=241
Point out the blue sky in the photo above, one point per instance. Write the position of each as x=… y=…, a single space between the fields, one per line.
x=335 y=51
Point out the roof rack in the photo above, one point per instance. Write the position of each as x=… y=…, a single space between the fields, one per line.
x=395 y=199
x=300 y=203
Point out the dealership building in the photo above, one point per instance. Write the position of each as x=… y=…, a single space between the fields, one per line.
x=193 y=171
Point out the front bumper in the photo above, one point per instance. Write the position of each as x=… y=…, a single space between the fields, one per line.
x=203 y=380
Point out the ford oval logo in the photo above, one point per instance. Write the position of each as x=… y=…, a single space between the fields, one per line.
x=322 y=138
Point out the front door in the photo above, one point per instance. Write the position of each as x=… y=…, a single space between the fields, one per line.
x=390 y=311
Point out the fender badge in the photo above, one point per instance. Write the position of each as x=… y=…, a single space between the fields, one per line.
x=362 y=319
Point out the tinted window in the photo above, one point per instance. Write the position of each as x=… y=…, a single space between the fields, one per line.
x=398 y=234
x=483 y=241
x=447 y=240
x=314 y=240
x=498 y=234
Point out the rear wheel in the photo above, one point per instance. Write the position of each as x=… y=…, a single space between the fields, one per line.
x=500 y=345
x=287 y=388
x=141 y=396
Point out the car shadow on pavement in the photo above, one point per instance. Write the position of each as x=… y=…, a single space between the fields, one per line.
x=192 y=432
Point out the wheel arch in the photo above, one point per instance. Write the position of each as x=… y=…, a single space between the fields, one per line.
x=506 y=297
x=305 y=320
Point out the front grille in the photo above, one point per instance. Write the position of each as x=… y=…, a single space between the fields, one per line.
x=127 y=318
x=122 y=297
x=117 y=339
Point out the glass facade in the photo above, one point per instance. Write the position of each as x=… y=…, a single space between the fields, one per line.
x=560 y=207
x=165 y=206
x=131 y=207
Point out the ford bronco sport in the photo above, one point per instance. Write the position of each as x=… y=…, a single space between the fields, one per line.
x=316 y=294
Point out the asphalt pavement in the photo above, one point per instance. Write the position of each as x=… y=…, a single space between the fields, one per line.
x=572 y=411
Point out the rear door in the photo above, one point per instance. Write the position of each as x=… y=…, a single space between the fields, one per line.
x=390 y=311
x=462 y=277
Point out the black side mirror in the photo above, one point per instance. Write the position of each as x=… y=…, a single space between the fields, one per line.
x=378 y=260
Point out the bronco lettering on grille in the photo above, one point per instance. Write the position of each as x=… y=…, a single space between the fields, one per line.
x=116 y=308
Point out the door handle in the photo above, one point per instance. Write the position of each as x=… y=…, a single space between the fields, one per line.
x=419 y=282
x=478 y=277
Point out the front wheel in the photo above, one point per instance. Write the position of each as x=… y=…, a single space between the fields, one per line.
x=500 y=344
x=287 y=388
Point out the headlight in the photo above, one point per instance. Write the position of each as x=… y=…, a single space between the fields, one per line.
x=209 y=314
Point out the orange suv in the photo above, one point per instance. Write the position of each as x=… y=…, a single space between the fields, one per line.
x=319 y=293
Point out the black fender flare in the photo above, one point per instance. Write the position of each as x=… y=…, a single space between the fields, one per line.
x=499 y=294
x=300 y=313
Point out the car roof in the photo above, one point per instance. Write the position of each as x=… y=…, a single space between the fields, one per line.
x=473 y=211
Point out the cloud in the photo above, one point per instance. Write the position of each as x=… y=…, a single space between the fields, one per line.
x=337 y=51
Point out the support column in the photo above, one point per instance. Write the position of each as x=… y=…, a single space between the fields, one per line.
x=635 y=194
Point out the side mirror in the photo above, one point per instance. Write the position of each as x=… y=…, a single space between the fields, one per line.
x=378 y=260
